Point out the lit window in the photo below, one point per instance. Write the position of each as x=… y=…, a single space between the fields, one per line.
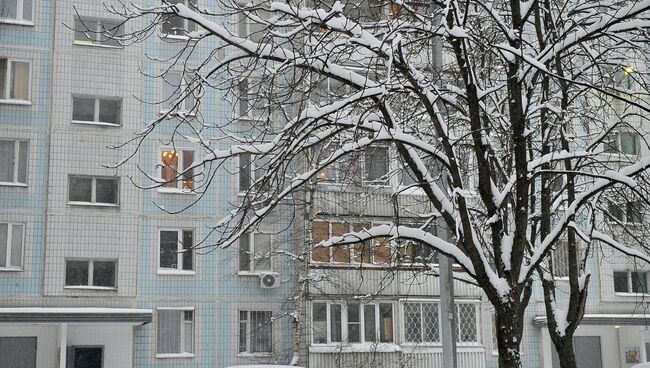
x=93 y=190
x=354 y=323
x=255 y=331
x=175 y=25
x=175 y=333
x=631 y=282
x=16 y=10
x=255 y=252
x=13 y=165
x=376 y=251
x=626 y=143
x=90 y=273
x=12 y=237
x=14 y=80
x=421 y=322
x=97 y=110
x=176 y=94
x=176 y=250
x=175 y=169
x=97 y=32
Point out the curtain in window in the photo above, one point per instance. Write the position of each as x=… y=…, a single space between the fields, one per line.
x=4 y=228
x=9 y=9
x=7 y=161
x=168 y=337
x=16 y=245
x=3 y=72
x=168 y=249
x=261 y=332
x=19 y=80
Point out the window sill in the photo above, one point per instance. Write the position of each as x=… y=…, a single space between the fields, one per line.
x=176 y=191
x=15 y=102
x=176 y=272
x=92 y=204
x=175 y=355
x=11 y=269
x=254 y=355
x=98 y=123
x=253 y=273
x=16 y=22
x=631 y=295
x=184 y=113
x=356 y=348
x=12 y=184
x=92 y=44
x=95 y=288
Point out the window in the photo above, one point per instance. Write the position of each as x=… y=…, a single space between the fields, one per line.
x=251 y=169
x=624 y=77
x=93 y=190
x=413 y=252
x=13 y=166
x=86 y=356
x=369 y=167
x=176 y=252
x=18 y=351
x=14 y=80
x=467 y=323
x=97 y=32
x=255 y=252
x=171 y=162
x=96 y=110
x=90 y=273
x=561 y=259
x=176 y=92
x=175 y=25
x=175 y=333
x=255 y=332
x=352 y=323
x=253 y=98
x=16 y=10
x=376 y=251
x=622 y=142
x=631 y=282
x=12 y=237
x=627 y=212
x=421 y=322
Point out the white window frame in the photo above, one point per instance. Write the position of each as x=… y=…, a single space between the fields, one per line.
x=251 y=170
x=618 y=148
x=180 y=187
x=344 y=323
x=477 y=316
x=96 y=120
x=20 y=20
x=17 y=161
x=180 y=254
x=9 y=73
x=186 y=22
x=624 y=213
x=91 y=266
x=183 y=107
x=629 y=291
x=97 y=33
x=340 y=173
x=248 y=333
x=93 y=194
x=8 y=266
x=403 y=322
x=181 y=354
x=253 y=255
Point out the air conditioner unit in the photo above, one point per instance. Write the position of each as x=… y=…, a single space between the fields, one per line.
x=269 y=280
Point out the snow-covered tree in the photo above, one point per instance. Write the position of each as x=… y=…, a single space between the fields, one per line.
x=518 y=121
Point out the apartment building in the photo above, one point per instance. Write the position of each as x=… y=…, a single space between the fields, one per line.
x=93 y=271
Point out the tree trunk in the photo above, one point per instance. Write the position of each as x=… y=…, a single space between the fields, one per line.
x=566 y=353
x=509 y=331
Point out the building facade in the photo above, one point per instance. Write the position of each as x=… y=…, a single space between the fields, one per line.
x=94 y=270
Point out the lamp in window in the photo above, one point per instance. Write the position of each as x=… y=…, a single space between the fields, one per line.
x=170 y=167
